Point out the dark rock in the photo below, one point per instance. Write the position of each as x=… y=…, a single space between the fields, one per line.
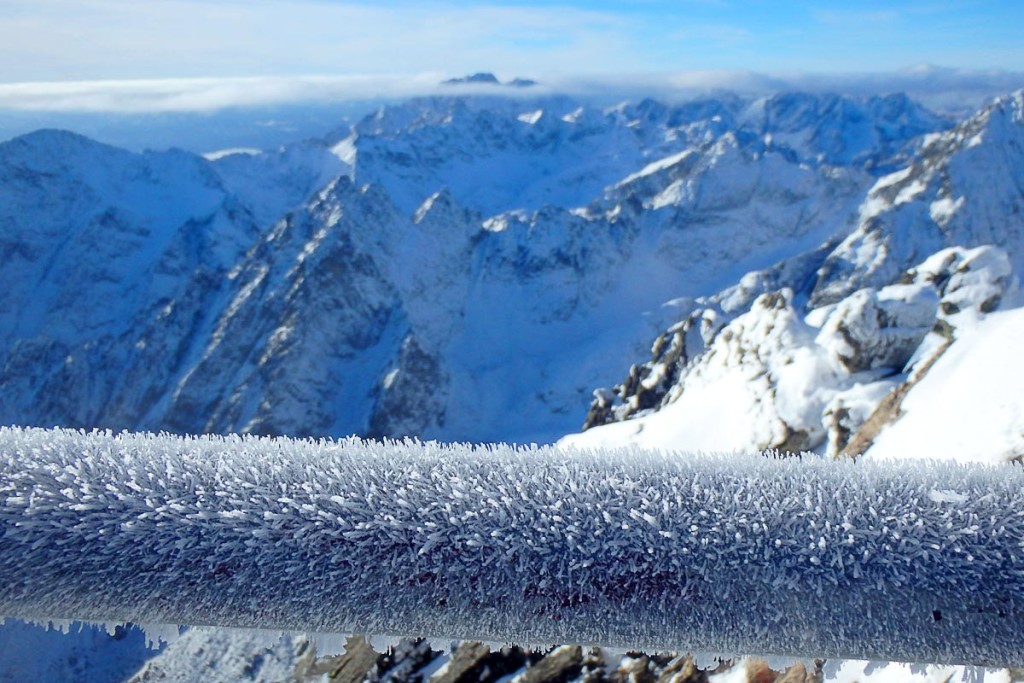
x=482 y=77
x=594 y=666
x=682 y=669
x=473 y=662
x=600 y=412
x=358 y=661
x=880 y=329
x=758 y=671
x=793 y=440
x=468 y=661
x=561 y=665
x=839 y=425
x=410 y=400
x=403 y=663
x=990 y=304
x=635 y=669
x=647 y=385
x=795 y=674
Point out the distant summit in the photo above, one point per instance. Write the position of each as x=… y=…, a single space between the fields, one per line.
x=484 y=78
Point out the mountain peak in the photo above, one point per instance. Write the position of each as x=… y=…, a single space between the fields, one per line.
x=480 y=77
x=487 y=78
x=54 y=139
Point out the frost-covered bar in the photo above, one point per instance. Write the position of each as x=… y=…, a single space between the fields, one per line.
x=734 y=555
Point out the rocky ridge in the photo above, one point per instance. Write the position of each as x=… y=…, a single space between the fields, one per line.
x=827 y=344
x=395 y=298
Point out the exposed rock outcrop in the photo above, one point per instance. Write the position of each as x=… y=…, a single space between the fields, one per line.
x=873 y=329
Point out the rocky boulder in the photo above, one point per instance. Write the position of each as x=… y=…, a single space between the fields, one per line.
x=873 y=329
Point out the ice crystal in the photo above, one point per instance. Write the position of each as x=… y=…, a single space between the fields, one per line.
x=804 y=558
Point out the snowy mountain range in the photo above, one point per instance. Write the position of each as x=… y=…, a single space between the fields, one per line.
x=459 y=268
x=794 y=272
x=825 y=349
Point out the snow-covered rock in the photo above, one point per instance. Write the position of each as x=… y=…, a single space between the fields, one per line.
x=968 y=406
x=962 y=189
x=274 y=182
x=111 y=262
x=768 y=375
x=761 y=383
x=841 y=131
x=936 y=248
x=882 y=328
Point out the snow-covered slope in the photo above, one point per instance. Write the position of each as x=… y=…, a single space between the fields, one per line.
x=772 y=374
x=110 y=262
x=826 y=349
x=962 y=189
x=968 y=406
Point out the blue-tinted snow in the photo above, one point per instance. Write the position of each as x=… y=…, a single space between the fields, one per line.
x=792 y=557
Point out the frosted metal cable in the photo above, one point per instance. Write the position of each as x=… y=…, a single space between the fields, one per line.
x=915 y=562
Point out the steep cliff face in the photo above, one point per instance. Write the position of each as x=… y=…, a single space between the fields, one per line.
x=309 y=325
x=100 y=248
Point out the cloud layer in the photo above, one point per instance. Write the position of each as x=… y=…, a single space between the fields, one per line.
x=942 y=88
x=205 y=55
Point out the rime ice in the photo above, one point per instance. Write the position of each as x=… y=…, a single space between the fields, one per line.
x=789 y=557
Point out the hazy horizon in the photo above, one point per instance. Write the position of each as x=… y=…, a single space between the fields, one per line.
x=272 y=71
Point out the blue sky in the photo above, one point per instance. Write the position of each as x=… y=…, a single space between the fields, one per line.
x=116 y=39
x=827 y=35
x=144 y=40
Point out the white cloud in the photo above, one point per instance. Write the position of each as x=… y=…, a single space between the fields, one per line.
x=206 y=94
x=943 y=88
x=101 y=40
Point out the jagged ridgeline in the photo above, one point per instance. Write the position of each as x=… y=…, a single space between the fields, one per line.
x=463 y=268
x=827 y=349
x=792 y=557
